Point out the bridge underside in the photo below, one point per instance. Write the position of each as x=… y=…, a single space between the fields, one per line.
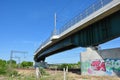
x=101 y=31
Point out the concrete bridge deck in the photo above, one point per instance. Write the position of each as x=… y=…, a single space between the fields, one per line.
x=103 y=10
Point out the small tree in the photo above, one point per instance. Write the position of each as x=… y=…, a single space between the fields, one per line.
x=26 y=64
x=64 y=66
x=78 y=63
x=13 y=63
x=2 y=66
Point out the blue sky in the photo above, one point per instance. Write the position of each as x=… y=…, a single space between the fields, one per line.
x=24 y=24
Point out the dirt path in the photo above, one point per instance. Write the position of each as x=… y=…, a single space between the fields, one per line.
x=58 y=75
x=77 y=76
x=2 y=78
x=26 y=71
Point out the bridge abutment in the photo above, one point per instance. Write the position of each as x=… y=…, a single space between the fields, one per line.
x=41 y=64
x=100 y=62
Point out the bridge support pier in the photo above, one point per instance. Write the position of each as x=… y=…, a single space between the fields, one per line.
x=41 y=64
x=100 y=62
x=91 y=55
x=38 y=66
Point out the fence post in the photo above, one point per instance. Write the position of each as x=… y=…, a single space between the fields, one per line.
x=64 y=73
x=67 y=73
x=38 y=74
x=55 y=69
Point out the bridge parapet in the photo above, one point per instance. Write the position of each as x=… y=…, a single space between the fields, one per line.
x=88 y=11
x=91 y=9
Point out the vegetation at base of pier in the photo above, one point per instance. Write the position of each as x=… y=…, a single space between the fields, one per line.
x=3 y=67
x=28 y=73
x=65 y=65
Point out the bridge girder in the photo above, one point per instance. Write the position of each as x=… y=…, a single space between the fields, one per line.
x=97 y=33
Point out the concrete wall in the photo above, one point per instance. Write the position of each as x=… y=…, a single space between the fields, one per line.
x=40 y=64
x=103 y=62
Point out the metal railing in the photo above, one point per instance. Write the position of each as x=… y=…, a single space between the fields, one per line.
x=91 y=9
x=88 y=11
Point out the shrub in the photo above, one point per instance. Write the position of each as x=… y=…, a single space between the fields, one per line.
x=13 y=73
x=3 y=71
x=3 y=67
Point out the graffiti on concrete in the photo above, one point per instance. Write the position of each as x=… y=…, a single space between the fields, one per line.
x=98 y=65
x=113 y=64
x=93 y=67
x=85 y=66
x=101 y=67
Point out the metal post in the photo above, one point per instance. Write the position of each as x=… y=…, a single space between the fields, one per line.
x=81 y=64
x=11 y=55
x=86 y=12
x=54 y=25
x=93 y=6
x=80 y=17
x=101 y=2
x=18 y=61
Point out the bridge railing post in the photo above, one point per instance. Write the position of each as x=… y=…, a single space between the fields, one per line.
x=86 y=11
x=101 y=3
x=80 y=16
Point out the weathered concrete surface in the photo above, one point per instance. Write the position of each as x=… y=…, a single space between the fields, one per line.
x=40 y=64
x=90 y=54
x=110 y=53
x=103 y=62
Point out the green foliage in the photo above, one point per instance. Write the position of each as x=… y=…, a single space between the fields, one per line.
x=13 y=73
x=13 y=63
x=78 y=63
x=2 y=62
x=3 y=67
x=70 y=66
x=64 y=66
x=42 y=71
x=26 y=64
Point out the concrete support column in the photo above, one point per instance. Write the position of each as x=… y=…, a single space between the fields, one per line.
x=89 y=60
x=100 y=62
x=38 y=74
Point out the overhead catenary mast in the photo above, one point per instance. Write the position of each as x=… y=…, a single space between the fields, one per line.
x=11 y=56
